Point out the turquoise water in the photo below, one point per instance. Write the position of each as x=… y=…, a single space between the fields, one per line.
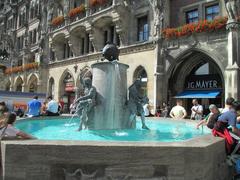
x=66 y=129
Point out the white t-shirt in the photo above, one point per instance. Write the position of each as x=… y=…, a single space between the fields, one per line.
x=194 y=115
x=52 y=106
x=10 y=131
x=178 y=111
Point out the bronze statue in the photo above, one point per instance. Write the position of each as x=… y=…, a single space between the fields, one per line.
x=110 y=52
x=135 y=103
x=86 y=102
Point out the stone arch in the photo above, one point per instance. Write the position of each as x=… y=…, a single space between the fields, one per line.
x=61 y=46
x=79 y=39
x=51 y=86
x=18 y=85
x=32 y=83
x=141 y=73
x=66 y=89
x=104 y=30
x=187 y=63
x=215 y=56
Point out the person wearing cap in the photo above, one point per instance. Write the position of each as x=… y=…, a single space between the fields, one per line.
x=211 y=118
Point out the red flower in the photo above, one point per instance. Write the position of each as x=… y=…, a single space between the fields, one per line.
x=77 y=10
x=57 y=20
x=201 y=26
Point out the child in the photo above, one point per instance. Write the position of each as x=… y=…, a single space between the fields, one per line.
x=10 y=131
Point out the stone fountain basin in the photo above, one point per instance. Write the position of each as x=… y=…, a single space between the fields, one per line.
x=201 y=158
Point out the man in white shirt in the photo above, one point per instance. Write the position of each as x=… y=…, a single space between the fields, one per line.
x=178 y=111
x=52 y=107
x=197 y=110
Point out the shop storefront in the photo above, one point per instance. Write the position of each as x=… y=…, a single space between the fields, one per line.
x=206 y=88
x=196 y=76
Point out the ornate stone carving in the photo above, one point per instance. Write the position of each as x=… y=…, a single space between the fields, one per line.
x=158 y=15
x=231 y=8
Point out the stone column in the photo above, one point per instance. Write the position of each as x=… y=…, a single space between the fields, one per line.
x=160 y=89
x=232 y=83
x=110 y=80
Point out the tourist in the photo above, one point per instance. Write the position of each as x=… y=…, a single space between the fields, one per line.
x=225 y=120
x=158 y=111
x=164 y=110
x=228 y=104
x=178 y=111
x=60 y=105
x=9 y=131
x=34 y=107
x=197 y=110
x=3 y=112
x=52 y=107
x=3 y=108
x=44 y=108
x=211 y=118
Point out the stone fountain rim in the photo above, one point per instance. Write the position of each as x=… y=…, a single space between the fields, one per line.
x=201 y=141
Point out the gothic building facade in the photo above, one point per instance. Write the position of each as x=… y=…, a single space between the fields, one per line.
x=179 y=48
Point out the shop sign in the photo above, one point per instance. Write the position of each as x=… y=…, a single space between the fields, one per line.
x=211 y=81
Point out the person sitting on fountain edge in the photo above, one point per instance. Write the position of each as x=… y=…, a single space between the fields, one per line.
x=86 y=102
x=136 y=102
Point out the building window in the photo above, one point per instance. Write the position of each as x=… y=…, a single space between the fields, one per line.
x=192 y=16
x=82 y=45
x=212 y=12
x=34 y=38
x=143 y=29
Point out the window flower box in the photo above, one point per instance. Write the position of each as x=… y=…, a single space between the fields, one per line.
x=76 y=11
x=57 y=20
x=21 y=68
x=94 y=3
x=201 y=26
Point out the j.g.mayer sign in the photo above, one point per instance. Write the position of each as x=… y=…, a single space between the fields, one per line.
x=211 y=81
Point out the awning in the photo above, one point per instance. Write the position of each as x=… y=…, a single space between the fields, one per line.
x=198 y=94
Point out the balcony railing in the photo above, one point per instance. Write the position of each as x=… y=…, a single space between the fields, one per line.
x=80 y=12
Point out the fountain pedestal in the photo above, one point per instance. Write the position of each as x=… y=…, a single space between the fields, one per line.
x=110 y=81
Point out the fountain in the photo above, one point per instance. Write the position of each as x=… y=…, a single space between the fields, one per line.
x=111 y=144
x=104 y=104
